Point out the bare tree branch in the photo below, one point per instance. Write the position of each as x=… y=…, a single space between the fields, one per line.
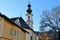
x=50 y=19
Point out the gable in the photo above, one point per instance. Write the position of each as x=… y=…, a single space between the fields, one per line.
x=17 y=22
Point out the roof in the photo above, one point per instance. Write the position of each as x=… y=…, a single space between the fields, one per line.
x=5 y=17
x=23 y=24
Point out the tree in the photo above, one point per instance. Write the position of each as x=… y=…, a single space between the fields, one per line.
x=51 y=19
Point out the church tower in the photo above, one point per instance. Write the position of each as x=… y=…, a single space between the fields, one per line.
x=29 y=15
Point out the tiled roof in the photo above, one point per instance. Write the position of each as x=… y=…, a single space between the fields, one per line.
x=23 y=23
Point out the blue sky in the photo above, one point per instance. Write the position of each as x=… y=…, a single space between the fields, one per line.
x=17 y=8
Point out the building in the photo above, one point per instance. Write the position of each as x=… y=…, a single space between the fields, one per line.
x=26 y=25
x=18 y=29
x=19 y=21
x=9 y=30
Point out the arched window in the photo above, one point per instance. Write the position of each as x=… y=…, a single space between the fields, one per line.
x=31 y=37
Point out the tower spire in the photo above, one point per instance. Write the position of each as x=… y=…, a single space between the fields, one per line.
x=29 y=10
x=29 y=15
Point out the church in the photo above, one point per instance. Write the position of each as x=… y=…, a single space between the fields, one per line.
x=27 y=25
x=18 y=29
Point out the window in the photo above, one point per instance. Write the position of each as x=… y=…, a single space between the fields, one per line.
x=10 y=31
x=28 y=23
x=15 y=33
x=28 y=18
x=31 y=37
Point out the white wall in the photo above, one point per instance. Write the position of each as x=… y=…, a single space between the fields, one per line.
x=28 y=37
x=31 y=33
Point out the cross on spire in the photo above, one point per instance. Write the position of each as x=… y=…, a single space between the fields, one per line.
x=29 y=1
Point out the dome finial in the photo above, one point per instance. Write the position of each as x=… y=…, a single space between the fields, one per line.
x=29 y=4
x=29 y=10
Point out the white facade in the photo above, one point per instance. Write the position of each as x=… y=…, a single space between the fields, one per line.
x=31 y=33
x=28 y=35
